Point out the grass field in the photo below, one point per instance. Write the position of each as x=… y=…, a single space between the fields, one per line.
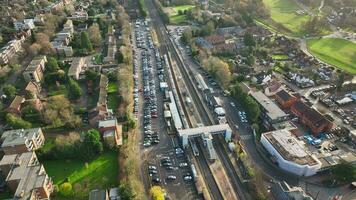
x=284 y=13
x=174 y=18
x=338 y=52
x=99 y=173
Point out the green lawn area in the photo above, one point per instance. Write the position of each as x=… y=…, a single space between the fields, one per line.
x=113 y=101
x=99 y=173
x=112 y=87
x=174 y=18
x=338 y=52
x=280 y=57
x=284 y=12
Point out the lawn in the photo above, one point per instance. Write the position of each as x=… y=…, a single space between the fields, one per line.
x=99 y=173
x=338 y=52
x=280 y=57
x=284 y=12
x=113 y=101
x=112 y=87
x=174 y=18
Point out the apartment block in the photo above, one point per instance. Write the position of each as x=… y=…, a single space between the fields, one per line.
x=34 y=71
x=21 y=140
x=9 y=50
x=26 y=177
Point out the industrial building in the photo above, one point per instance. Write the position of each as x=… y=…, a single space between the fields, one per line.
x=290 y=154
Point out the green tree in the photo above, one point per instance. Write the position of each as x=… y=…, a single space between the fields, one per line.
x=74 y=90
x=91 y=75
x=207 y=29
x=126 y=192
x=9 y=91
x=119 y=57
x=52 y=64
x=65 y=189
x=249 y=40
x=92 y=143
x=187 y=36
x=85 y=42
x=251 y=60
x=340 y=80
x=344 y=172
x=16 y=122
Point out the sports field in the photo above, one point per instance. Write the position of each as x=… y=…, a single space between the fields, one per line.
x=338 y=52
x=174 y=18
x=286 y=14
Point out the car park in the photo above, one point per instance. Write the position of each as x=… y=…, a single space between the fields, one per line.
x=171 y=177
x=184 y=164
x=187 y=178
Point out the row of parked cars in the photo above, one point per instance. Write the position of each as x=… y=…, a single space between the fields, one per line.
x=145 y=43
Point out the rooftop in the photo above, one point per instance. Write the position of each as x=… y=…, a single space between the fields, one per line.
x=35 y=63
x=284 y=95
x=311 y=114
x=18 y=100
x=289 y=148
x=18 y=137
x=273 y=111
x=98 y=195
x=107 y=123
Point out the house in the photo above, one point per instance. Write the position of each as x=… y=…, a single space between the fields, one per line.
x=111 y=132
x=76 y=67
x=98 y=195
x=39 y=19
x=80 y=15
x=21 y=140
x=9 y=50
x=61 y=49
x=102 y=101
x=232 y=30
x=272 y=87
x=32 y=90
x=224 y=48
x=15 y=106
x=68 y=26
x=24 y=24
x=201 y=42
x=114 y=194
x=281 y=190
x=285 y=99
x=26 y=177
x=34 y=71
x=311 y=118
x=111 y=51
x=215 y=39
x=271 y=114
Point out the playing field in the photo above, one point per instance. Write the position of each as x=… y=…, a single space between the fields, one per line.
x=338 y=52
x=286 y=13
x=174 y=18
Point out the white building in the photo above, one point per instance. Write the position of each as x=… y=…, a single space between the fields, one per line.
x=290 y=154
x=24 y=24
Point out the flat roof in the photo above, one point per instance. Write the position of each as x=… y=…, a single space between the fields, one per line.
x=18 y=137
x=203 y=130
x=174 y=111
x=289 y=148
x=273 y=111
x=107 y=123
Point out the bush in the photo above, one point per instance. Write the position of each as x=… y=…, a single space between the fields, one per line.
x=65 y=189
x=16 y=122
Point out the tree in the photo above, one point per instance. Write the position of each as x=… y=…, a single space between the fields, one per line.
x=187 y=36
x=119 y=57
x=52 y=64
x=85 y=42
x=34 y=49
x=92 y=143
x=218 y=69
x=75 y=92
x=340 y=80
x=9 y=91
x=65 y=189
x=16 y=122
x=157 y=193
x=344 y=172
x=91 y=75
x=94 y=34
x=208 y=28
x=251 y=60
x=126 y=192
x=249 y=40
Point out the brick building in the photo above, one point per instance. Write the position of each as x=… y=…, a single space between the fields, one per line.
x=311 y=118
x=285 y=99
